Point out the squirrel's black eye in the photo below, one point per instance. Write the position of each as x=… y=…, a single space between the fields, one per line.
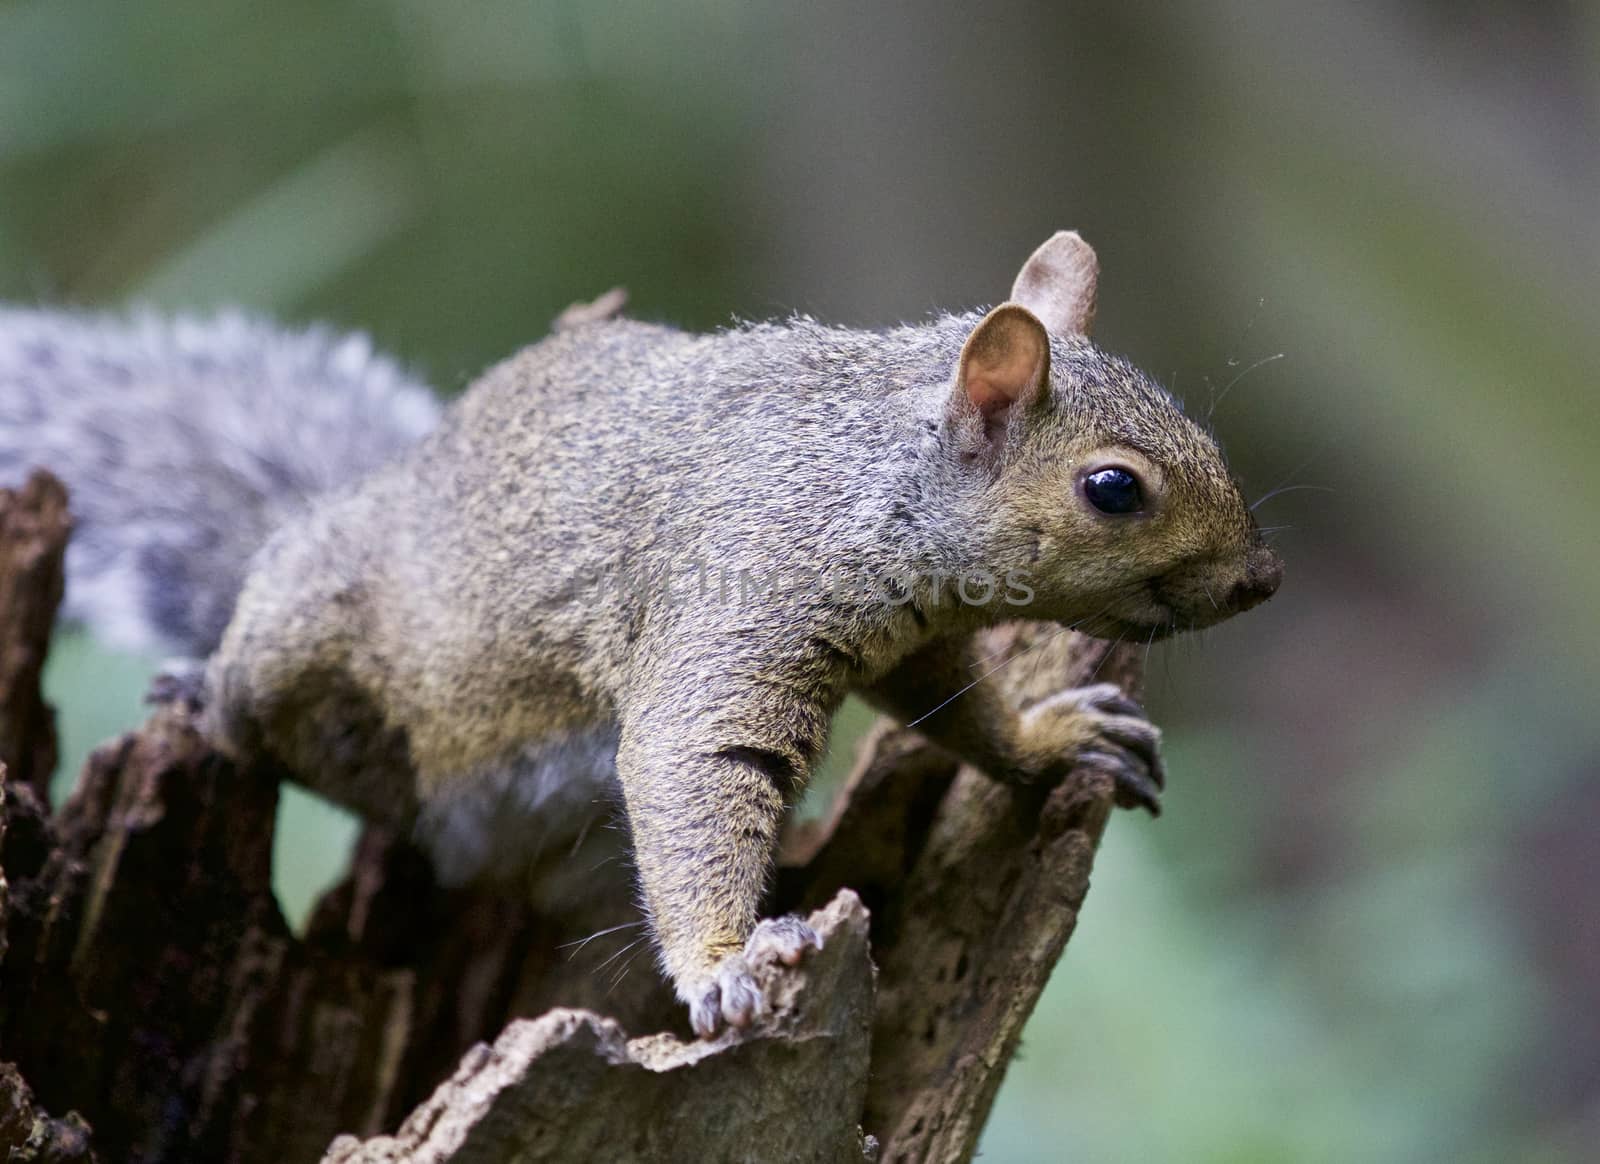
x=1113 y=491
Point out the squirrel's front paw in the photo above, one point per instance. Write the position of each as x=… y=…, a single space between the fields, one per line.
x=1100 y=727
x=730 y=994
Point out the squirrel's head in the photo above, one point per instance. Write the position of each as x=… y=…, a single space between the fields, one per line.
x=1120 y=509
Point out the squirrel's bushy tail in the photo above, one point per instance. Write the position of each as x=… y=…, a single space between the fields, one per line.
x=184 y=442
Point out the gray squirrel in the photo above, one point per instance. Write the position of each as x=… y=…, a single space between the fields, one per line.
x=632 y=556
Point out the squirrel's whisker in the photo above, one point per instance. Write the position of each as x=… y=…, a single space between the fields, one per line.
x=1282 y=489
x=633 y=945
x=1221 y=396
x=578 y=944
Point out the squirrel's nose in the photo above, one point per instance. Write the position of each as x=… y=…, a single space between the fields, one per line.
x=1263 y=572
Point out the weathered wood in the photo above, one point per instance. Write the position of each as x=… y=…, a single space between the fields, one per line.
x=145 y=924
x=571 y=1086
x=29 y=1133
x=33 y=539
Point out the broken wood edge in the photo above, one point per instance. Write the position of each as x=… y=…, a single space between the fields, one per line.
x=826 y=1000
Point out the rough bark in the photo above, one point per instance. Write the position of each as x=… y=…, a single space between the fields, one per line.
x=33 y=539
x=539 y=1094
x=152 y=985
x=28 y=1132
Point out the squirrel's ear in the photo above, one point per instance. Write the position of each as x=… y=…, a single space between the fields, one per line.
x=1058 y=283
x=1004 y=362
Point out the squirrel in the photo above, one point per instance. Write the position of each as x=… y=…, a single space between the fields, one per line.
x=630 y=556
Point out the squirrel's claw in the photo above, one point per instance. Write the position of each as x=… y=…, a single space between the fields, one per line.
x=781 y=939
x=1138 y=784
x=732 y=996
x=1101 y=728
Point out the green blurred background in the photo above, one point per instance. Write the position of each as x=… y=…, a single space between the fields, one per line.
x=1368 y=927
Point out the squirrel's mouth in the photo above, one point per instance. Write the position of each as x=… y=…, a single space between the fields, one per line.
x=1150 y=623
x=1129 y=631
x=1172 y=613
x=1142 y=613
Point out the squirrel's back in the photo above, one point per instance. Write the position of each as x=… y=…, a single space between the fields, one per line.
x=184 y=443
x=622 y=454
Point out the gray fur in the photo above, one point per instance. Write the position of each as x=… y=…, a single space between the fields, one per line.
x=184 y=443
x=497 y=823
